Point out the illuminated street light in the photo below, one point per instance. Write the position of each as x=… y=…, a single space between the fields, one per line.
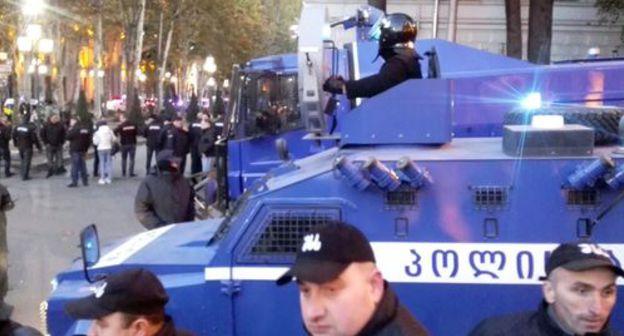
x=32 y=7
x=31 y=69
x=226 y=83
x=211 y=82
x=46 y=46
x=33 y=31
x=100 y=73
x=209 y=65
x=173 y=79
x=167 y=75
x=3 y=56
x=24 y=44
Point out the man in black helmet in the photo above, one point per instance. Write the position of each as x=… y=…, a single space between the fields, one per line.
x=396 y=47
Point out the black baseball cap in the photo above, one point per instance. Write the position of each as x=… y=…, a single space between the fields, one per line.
x=326 y=251
x=580 y=256
x=132 y=291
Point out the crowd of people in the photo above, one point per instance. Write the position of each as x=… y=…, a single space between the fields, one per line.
x=195 y=140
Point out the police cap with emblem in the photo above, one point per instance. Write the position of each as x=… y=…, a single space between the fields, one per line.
x=580 y=256
x=132 y=291
x=326 y=251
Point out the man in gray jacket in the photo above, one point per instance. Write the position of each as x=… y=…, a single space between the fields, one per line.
x=164 y=197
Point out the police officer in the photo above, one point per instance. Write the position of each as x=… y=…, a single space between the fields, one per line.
x=195 y=133
x=127 y=132
x=5 y=139
x=151 y=132
x=176 y=138
x=341 y=290
x=53 y=136
x=579 y=295
x=24 y=137
x=79 y=137
x=396 y=47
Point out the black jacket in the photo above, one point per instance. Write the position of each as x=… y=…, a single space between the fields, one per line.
x=396 y=70
x=25 y=136
x=195 y=133
x=5 y=136
x=127 y=132
x=11 y=328
x=79 y=138
x=535 y=323
x=164 y=198
x=169 y=329
x=206 y=142
x=392 y=319
x=175 y=139
x=152 y=134
x=53 y=134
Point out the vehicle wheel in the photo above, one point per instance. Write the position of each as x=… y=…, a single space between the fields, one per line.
x=604 y=120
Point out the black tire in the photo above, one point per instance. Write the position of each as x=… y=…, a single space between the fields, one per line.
x=604 y=120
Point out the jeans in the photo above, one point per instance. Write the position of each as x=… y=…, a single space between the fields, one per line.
x=79 y=167
x=55 y=157
x=106 y=164
x=127 y=150
x=206 y=163
x=26 y=158
x=5 y=154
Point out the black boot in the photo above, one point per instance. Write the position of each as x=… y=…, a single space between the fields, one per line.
x=50 y=172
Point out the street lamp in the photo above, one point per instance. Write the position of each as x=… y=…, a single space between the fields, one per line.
x=33 y=42
x=32 y=7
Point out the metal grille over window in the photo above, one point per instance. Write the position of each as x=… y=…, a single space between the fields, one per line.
x=489 y=197
x=587 y=197
x=281 y=233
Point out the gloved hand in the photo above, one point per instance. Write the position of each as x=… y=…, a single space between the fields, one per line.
x=334 y=84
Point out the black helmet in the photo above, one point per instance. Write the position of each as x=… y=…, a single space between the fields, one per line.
x=397 y=31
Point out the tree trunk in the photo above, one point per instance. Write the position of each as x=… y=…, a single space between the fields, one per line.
x=540 y=31
x=513 y=16
x=97 y=80
x=132 y=49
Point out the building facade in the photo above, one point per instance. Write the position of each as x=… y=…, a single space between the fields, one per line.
x=481 y=24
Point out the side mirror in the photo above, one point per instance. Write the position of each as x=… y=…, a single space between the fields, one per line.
x=90 y=248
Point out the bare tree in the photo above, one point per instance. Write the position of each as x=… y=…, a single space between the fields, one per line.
x=514 y=28
x=133 y=13
x=540 y=31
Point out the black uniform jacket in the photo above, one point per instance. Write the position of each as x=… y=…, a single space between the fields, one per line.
x=396 y=70
x=25 y=136
x=175 y=139
x=152 y=134
x=5 y=136
x=164 y=198
x=53 y=134
x=79 y=137
x=206 y=142
x=392 y=319
x=535 y=323
x=127 y=132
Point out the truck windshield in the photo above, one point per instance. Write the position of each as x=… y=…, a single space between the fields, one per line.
x=270 y=104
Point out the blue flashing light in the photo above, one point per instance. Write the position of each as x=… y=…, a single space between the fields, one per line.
x=586 y=176
x=353 y=174
x=417 y=176
x=532 y=101
x=385 y=178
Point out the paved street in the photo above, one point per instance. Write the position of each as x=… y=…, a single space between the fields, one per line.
x=43 y=228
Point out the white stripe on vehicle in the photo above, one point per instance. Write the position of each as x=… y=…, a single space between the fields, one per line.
x=459 y=263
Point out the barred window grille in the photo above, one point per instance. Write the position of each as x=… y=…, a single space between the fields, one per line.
x=582 y=197
x=281 y=234
x=490 y=196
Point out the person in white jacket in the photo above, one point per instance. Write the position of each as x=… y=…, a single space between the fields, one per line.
x=103 y=139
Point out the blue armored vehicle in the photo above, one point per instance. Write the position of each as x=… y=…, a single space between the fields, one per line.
x=462 y=191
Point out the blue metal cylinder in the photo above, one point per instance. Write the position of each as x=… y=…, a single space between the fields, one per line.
x=617 y=180
x=352 y=173
x=586 y=176
x=384 y=177
x=417 y=176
